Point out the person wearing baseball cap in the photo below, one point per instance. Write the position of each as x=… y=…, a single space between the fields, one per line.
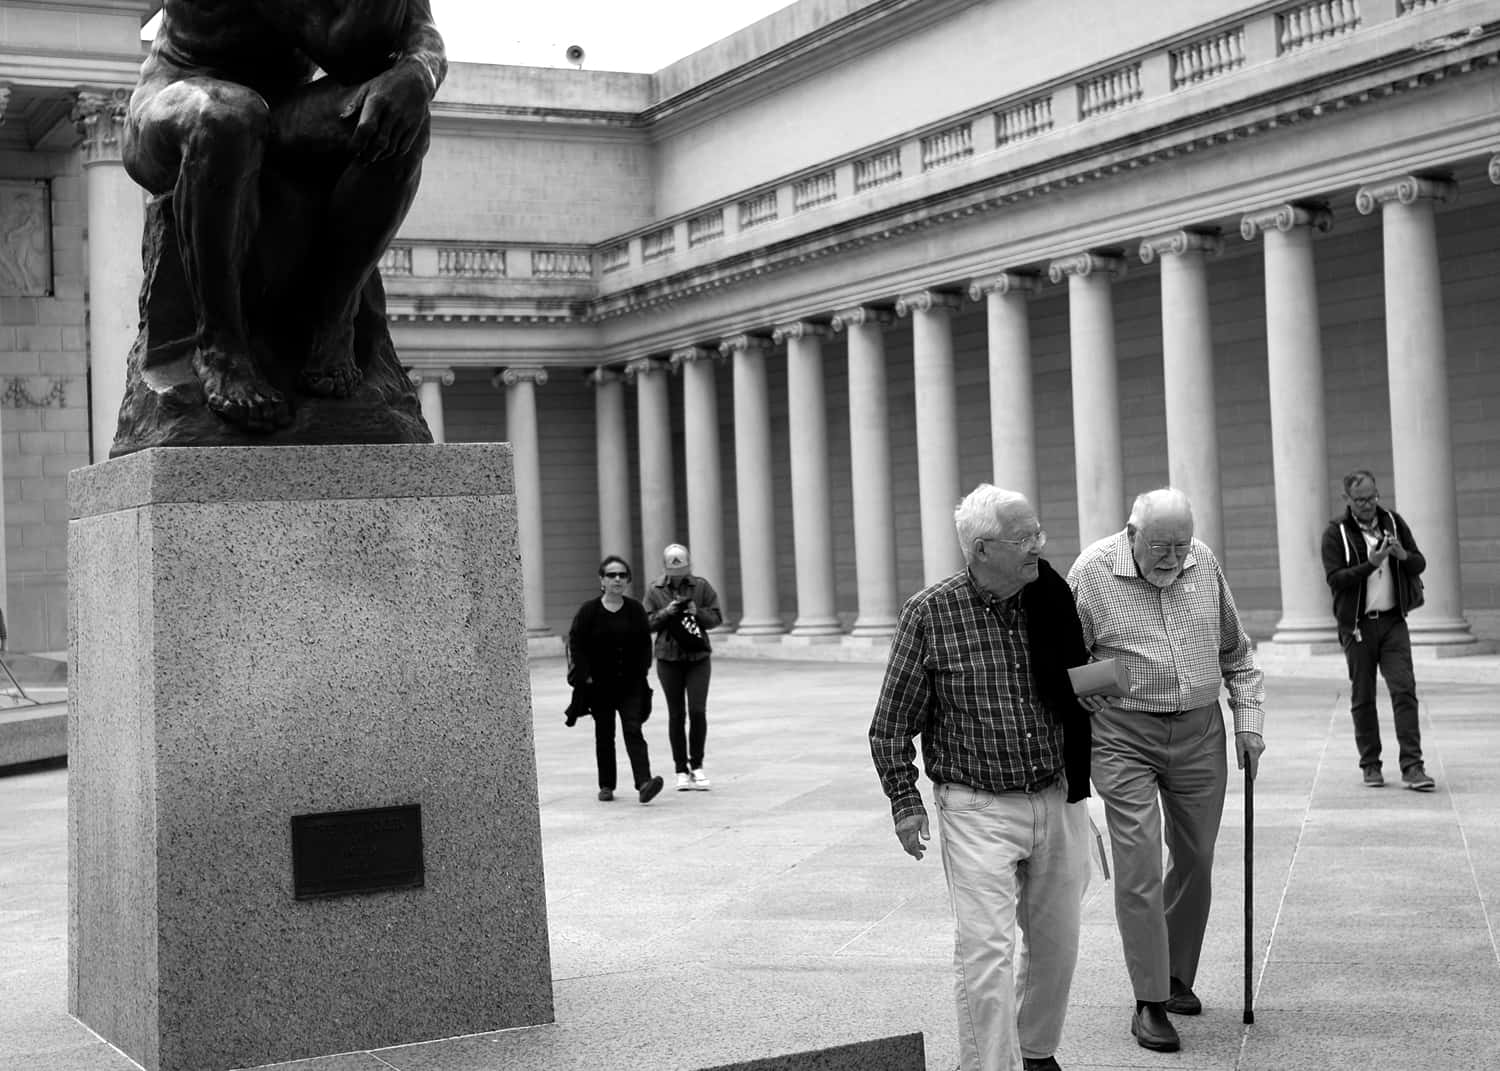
x=681 y=609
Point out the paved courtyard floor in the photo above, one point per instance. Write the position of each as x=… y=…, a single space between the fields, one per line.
x=777 y=912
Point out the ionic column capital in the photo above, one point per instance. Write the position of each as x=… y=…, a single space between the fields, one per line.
x=927 y=301
x=99 y=116
x=509 y=377
x=1176 y=243
x=4 y=99
x=1495 y=169
x=693 y=354
x=644 y=366
x=752 y=345
x=1406 y=190
x=1007 y=282
x=797 y=330
x=1083 y=265
x=1286 y=217
x=419 y=374
x=859 y=316
x=600 y=376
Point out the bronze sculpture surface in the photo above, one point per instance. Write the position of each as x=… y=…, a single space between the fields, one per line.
x=282 y=143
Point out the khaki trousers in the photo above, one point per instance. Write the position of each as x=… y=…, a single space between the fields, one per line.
x=1015 y=861
x=1162 y=778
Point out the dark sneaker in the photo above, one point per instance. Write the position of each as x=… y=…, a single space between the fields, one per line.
x=605 y=795
x=1417 y=778
x=1040 y=1063
x=1183 y=1000
x=1373 y=777
x=650 y=789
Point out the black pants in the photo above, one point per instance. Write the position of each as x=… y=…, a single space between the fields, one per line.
x=626 y=702
x=685 y=685
x=1384 y=643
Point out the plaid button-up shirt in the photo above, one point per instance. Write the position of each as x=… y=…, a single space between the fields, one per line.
x=960 y=675
x=1181 y=643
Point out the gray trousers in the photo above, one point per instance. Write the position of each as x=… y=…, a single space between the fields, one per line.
x=1161 y=778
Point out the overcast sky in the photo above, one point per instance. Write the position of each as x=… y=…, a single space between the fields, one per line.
x=622 y=35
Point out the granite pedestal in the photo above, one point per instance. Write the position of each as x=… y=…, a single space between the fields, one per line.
x=262 y=633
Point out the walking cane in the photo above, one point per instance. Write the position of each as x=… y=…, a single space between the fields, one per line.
x=1249 y=887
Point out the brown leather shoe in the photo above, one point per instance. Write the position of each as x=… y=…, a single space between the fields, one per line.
x=1153 y=1030
x=1183 y=1000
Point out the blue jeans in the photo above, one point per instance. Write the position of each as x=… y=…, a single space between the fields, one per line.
x=1384 y=643
x=685 y=686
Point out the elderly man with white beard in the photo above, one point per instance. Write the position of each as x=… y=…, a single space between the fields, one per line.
x=1156 y=600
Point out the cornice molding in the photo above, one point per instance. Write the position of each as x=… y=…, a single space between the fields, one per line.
x=1406 y=190
x=860 y=316
x=1287 y=217
x=927 y=301
x=1021 y=283
x=1208 y=243
x=1086 y=264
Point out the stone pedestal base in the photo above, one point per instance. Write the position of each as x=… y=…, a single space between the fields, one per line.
x=264 y=633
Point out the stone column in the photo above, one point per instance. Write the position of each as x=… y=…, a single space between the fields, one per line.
x=116 y=220
x=1417 y=368
x=705 y=495
x=938 y=492
x=812 y=521
x=1298 y=435
x=752 y=477
x=612 y=463
x=653 y=415
x=1097 y=444
x=1188 y=372
x=1012 y=405
x=870 y=472
x=521 y=429
x=430 y=383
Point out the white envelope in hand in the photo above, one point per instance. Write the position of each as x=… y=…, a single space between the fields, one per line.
x=1109 y=677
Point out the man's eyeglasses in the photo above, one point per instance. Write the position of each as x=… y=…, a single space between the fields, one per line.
x=1365 y=500
x=1162 y=549
x=617 y=576
x=1035 y=541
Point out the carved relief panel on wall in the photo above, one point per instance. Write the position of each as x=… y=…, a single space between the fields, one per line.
x=25 y=239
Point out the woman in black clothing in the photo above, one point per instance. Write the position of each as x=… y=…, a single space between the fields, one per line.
x=609 y=652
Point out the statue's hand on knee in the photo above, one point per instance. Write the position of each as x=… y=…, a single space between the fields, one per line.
x=392 y=110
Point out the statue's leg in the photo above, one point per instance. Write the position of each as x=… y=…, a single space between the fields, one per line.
x=204 y=140
x=365 y=207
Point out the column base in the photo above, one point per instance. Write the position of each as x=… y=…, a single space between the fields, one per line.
x=828 y=626
x=1306 y=630
x=749 y=627
x=875 y=627
x=817 y=639
x=1439 y=631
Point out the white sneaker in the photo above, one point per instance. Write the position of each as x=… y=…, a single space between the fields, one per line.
x=685 y=782
x=700 y=780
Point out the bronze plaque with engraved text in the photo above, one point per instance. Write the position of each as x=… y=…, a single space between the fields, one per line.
x=340 y=852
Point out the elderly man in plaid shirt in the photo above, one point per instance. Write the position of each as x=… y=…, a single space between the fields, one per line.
x=1156 y=599
x=979 y=667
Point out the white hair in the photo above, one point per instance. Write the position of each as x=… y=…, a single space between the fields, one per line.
x=982 y=513
x=1149 y=503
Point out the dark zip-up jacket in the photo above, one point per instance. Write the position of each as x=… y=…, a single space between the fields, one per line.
x=1346 y=563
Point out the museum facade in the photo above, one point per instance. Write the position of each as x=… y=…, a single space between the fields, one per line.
x=789 y=298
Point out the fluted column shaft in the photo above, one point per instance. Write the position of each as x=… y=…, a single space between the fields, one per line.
x=1188 y=372
x=654 y=441
x=870 y=472
x=430 y=383
x=1298 y=434
x=526 y=457
x=1097 y=444
x=1417 y=369
x=812 y=523
x=936 y=392
x=752 y=472
x=116 y=219
x=611 y=458
x=705 y=494
x=1013 y=463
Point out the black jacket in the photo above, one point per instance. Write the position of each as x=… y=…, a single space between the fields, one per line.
x=1056 y=640
x=1346 y=563
x=592 y=661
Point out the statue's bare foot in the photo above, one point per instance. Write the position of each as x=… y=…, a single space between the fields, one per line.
x=238 y=392
x=330 y=370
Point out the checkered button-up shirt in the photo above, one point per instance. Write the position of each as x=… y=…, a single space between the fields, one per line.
x=960 y=675
x=1181 y=643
